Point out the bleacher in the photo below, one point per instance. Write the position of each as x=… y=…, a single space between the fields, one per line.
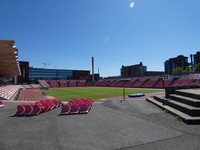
x=122 y=82
x=146 y=82
x=113 y=82
x=53 y=83
x=164 y=83
x=88 y=83
x=151 y=82
x=27 y=86
x=99 y=83
x=81 y=83
x=130 y=82
x=72 y=83
x=43 y=83
x=9 y=92
x=140 y=81
x=63 y=83
x=35 y=86
x=102 y=82
x=183 y=80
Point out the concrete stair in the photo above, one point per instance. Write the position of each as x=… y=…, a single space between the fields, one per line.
x=182 y=103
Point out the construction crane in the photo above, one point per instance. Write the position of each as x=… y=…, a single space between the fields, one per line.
x=44 y=63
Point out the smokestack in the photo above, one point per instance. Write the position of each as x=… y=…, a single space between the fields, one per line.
x=92 y=69
x=191 y=61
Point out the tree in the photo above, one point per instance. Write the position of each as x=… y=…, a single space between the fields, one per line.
x=197 y=67
x=187 y=69
x=177 y=70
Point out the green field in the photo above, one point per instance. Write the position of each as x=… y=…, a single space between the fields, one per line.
x=91 y=92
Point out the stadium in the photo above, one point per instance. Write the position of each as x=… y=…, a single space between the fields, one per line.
x=99 y=75
x=65 y=101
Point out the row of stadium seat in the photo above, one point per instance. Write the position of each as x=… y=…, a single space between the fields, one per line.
x=147 y=82
x=77 y=106
x=9 y=91
x=61 y=83
x=74 y=106
x=37 y=107
x=135 y=82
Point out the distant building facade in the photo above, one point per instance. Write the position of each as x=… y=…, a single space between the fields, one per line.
x=172 y=63
x=24 y=77
x=154 y=73
x=31 y=74
x=195 y=59
x=57 y=74
x=133 y=70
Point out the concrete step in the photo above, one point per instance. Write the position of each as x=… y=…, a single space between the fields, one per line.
x=188 y=93
x=188 y=109
x=185 y=100
x=185 y=117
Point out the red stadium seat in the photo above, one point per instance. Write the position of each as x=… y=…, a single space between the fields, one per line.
x=65 y=109
x=56 y=102
x=60 y=103
x=74 y=109
x=83 y=109
x=36 y=110
x=45 y=105
x=20 y=110
x=50 y=103
x=28 y=110
x=1 y=104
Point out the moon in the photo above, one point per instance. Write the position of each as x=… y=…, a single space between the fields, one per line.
x=132 y=4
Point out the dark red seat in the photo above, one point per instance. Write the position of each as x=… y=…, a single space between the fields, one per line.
x=28 y=110
x=20 y=110
x=74 y=109
x=1 y=104
x=56 y=102
x=65 y=109
x=83 y=109
x=60 y=103
x=36 y=110
x=45 y=105
x=50 y=103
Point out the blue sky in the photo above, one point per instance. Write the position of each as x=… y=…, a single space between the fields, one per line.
x=67 y=33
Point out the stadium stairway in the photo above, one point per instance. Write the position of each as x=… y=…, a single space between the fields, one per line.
x=31 y=95
x=184 y=103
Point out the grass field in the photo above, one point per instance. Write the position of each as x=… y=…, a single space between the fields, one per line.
x=91 y=92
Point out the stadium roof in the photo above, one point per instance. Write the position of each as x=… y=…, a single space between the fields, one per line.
x=9 y=64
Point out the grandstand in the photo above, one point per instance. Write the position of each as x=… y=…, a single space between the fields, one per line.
x=10 y=69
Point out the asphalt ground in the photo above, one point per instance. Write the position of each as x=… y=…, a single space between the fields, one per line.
x=111 y=125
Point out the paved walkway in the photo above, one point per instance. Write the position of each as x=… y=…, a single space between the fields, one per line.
x=112 y=125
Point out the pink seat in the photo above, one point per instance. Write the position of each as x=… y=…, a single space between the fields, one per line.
x=60 y=103
x=28 y=110
x=51 y=104
x=83 y=109
x=1 y=104
x=45 y=105
x=56 y=102
x=36 y=110
x=40 y=105
x=65 y=109
x=74 y=109
x=20 y=110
